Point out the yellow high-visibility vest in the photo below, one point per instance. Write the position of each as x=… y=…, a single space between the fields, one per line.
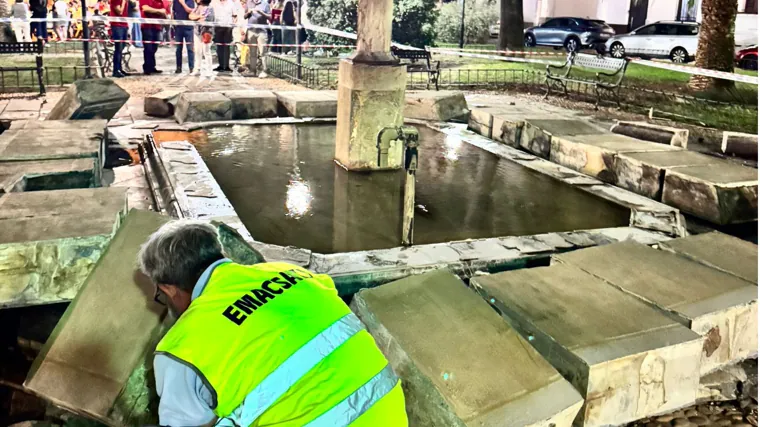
x=275 y=345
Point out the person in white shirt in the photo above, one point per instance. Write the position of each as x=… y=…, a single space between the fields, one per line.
x=61 y=15
x=224 y=13
x=20 y=23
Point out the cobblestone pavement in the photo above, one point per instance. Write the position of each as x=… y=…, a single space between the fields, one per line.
x=741 y=413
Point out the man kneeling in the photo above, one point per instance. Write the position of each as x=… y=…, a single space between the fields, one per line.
x=270 y=344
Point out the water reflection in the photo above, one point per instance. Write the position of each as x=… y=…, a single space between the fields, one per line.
x=287 y=190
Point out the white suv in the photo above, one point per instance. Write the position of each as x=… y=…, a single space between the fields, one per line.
x=676 y=40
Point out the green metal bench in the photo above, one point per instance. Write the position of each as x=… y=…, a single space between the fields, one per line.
x=604 y=82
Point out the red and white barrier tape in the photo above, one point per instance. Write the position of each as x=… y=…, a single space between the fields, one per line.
x=508 y=52
x=172 y=42
x=494 y=57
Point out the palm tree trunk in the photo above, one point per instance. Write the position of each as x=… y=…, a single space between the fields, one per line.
x=511 y=28
x=716 y=43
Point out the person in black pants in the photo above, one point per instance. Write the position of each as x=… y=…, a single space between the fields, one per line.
x=224 y=13
x=151 y=33
x=39 y=11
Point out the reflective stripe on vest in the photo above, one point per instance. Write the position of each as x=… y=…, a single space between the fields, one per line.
x=301 y=362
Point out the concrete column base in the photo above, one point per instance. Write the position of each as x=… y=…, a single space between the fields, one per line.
x=370 y=97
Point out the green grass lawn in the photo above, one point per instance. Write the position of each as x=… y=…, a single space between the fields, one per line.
x=59 y=71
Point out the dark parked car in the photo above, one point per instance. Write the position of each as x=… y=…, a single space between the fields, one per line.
x=572 y=33
x=747 y=58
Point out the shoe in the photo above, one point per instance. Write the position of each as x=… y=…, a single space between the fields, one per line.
x=125 y=74
x=263 y=75
x=190 y=71
x=157 y=72
x=117 y=75
x=227 y=70
x=218 y=69
x=178 y=71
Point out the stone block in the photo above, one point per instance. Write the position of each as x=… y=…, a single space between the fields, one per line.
x=308 y=103
x=655 y=133
x=47 y=249
x=252 y=104
x=459 y=363
x=481 y=122
x=627 y=360
x=55 y=140
x=722 y=193
x=48 y=175
x=90 y=99
x=717 y=250
x=195 y=107
x=537 y=134
x=644 y=173
x=717 y=305
x=371 y=98
x=161 y=104
x=440 y=106
x=738 y=144
x=507 y=129
x=594 y=155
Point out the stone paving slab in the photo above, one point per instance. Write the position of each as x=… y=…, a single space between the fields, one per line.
x=537 y=134
x=440 y=106
x=719 y=306
x=202 y=107
x=52 y=140
x=594 y=155
x=24 y=105
x=459 y=363
x=48 y=175
x=644 y=172
x=252 y=104
x=311 y=103
x=89 y=99
x=652 y=132
x=50 y=240
x=627 y=360
x=722 y=193
x=717 y=250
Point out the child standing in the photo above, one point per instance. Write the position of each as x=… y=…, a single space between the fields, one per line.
x=203 y=13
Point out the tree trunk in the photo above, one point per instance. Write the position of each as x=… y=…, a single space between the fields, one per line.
x=5 y=28
x=511 y=28
x=716 y=43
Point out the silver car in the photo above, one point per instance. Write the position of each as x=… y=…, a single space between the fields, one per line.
x=674 y=40
x=572 y=33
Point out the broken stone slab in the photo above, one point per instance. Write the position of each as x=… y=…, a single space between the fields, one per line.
x=716 y=305
x=651 y=132
x=722 y=193
x=481 y=122
x=48 y=175
x=720 y=251
x=202 y=107
x=97 y=364
x=440 y=106
x=739 y=144
x=55 y=140
x=161 y=104
x=644 y=172
x=731 y=382
x=308 y=103
x=50 y=240
x=90 y=99
x=536 y=136
x=627 y=360
x=594 y=155
x=459 y=363
x=252 y=104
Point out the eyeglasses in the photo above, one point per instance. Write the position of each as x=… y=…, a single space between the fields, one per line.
x=159 y=297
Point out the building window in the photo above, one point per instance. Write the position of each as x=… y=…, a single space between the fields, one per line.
x=750 y=6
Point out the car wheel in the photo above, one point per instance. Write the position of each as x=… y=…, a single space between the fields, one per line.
x=679 y=55
x=617 y=50
x=530 y=40
x=572 y=44
x=749 y=62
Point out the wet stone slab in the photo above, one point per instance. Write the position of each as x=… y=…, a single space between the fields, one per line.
x=721 y=251
x=436 y=105
x=537 y=134
x=644 y=172
x=714 y=304
x=308 y=103
x=47 y=248
x=197 y=107
x=625 y=358
x=722 y=193
x=459 y=362
x=48 y=175
x=595 y=155
x=252 y=104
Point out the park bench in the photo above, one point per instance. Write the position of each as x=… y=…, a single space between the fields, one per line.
x=35 y=48
x=608 y=82
x=416 y=54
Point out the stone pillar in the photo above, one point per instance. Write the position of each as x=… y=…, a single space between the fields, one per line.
x=371 y=86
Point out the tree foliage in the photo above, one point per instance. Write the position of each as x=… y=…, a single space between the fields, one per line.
x=477 y=19
x=414 y=21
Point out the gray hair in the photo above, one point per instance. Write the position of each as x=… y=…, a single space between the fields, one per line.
x=179 y=252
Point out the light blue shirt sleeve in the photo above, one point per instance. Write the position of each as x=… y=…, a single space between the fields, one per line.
x=185 y=400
